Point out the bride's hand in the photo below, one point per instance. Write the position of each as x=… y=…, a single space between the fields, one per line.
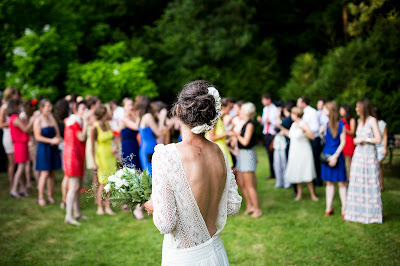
x=149 y=207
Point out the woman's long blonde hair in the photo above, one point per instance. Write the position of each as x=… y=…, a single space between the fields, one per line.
x=333 y=117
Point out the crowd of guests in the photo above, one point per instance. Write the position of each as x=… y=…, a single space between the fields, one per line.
x=88 y=138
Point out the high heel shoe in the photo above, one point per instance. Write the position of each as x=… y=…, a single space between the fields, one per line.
x=328 y=213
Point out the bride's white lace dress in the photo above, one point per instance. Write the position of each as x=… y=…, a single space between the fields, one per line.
x=187 y=240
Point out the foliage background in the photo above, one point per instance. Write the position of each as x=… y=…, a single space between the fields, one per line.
x=339 y=49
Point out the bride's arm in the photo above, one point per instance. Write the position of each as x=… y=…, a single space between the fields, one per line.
x=164 y=215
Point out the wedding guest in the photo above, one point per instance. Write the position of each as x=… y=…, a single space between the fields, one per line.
x=92 y=103
x=350 y=129
x=334 y=169
x=193 y=197
x=47 y=134
x=20 y=139
x=382 y=146
x=218 y=134
x=104 y=154
x=230 y=112
x=129 y=125
x=10 y=93
x=364 y=203
x=300 y=166
x=322 y=118
x=268 y=120
x=62 y=111
x=247 y=158
x=161 y=111
x=118 y=112
x=281 y=146
x=28 y=114
x=74 y=160
x=148 y=130
x=310 y=117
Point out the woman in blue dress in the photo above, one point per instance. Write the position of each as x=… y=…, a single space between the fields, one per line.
x=129 y=125
x=334 y=169
x=149 y=130
x=48 y=159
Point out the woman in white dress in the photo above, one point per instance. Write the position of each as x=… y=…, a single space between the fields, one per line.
x=193 y=186
x=300 y=167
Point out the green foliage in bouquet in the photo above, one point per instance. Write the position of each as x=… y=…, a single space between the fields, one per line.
x=128 y=186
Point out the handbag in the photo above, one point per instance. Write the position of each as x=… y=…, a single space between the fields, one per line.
x=324 y=159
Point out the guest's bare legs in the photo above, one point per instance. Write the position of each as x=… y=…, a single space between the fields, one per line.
x=41 y=184
x=27 y=170
x=72 y=199
x=101 y=202
x=299 y=190
x=250 y=187
x=64 y=188
x=11 y=168
x=311 y=189
x=17 y=179
x=50 y=186
x=343 y=194
x=330 y=193
x=381 y=173
x=240 y=182
x=348 y=164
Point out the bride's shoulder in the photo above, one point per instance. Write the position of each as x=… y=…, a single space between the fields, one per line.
x=164 y=149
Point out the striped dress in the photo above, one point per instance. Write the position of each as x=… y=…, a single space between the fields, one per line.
x=364 y=203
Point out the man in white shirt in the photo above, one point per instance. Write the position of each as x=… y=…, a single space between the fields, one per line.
x=268 y=119
x=322 y=118
x=310 y=116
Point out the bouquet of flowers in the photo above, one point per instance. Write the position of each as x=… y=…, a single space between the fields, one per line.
x=128 y=186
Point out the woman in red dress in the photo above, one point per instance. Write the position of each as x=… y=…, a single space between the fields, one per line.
x=20 y=139
x=74 y=160
x=350 y=129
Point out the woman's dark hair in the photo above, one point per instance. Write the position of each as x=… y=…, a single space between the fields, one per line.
x=29 y=107
x=100 y=112
x=225 y=102
x=289 y=105
x=239 y=103
x=196 y=106
x=377 y=113
x=61 y=109
x=92 y=101
x=349 y=113
x=144 y=105
x=365 y=109
x=159 y=105
x=13 y=107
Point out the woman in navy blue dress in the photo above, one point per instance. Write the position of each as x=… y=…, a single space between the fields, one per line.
x=334 y=170
x=48 y=159
x=129 y=125
x=149 y=130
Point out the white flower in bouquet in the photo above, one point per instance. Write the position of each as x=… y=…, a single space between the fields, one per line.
x=107 y=187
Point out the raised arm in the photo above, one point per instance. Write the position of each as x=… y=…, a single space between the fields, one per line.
x=153 y=125
x=307 y=131
x=24 y=127
x=214 y=137
x=164 y=215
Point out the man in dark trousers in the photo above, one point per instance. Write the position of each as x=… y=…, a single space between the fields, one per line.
x=311 y=118
x=268 y=120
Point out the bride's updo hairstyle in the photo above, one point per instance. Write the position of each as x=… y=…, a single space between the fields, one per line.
x=196 y=105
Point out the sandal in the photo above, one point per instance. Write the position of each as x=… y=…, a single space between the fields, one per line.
x=327 y=214
x=63 y=205
x=24 y=194
x=81 y=217
x=51 y=200
x=72 y=221
x=41 y=202
x=15 y=195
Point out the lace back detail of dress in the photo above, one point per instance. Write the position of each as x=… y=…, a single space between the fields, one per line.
x=181 y=218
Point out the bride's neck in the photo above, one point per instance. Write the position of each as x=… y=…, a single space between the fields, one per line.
x=189 y=137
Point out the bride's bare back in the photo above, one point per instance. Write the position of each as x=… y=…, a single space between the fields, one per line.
x=205 y=168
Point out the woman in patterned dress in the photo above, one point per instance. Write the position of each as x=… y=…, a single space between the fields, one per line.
x=364 y=203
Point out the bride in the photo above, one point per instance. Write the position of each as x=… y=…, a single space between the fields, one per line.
x=194 y=188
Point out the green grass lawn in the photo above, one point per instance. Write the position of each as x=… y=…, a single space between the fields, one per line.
x=289 y=232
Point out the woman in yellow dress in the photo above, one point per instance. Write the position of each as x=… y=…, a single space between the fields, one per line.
x=218 y=134
x=104 y=154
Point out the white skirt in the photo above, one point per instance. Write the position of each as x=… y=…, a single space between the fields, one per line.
x=7 y=141
x=210 y=253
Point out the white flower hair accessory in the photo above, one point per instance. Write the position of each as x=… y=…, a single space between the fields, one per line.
x=206 y=127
